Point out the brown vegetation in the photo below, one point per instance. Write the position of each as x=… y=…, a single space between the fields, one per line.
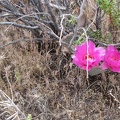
x=37 y=76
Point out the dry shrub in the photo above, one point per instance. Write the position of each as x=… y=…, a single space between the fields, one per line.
x=47 y=85
x=43 y=81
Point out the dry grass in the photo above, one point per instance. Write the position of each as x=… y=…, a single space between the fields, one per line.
x=41 y=81
x=48 y=86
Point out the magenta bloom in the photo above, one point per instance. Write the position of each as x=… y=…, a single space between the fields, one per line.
x=94 y=56
x=112 y=59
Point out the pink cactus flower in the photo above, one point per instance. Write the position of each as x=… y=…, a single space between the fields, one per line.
x=94 y=56
x=112 y=59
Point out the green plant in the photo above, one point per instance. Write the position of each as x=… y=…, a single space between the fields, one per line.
x=95 y=34
x=80 y=40
x=107 y=37
x=111 y=8
x=29 y=117
x=72 y=20
x=17 y=75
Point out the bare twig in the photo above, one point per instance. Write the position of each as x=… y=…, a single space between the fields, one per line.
x=24 y=16
x=67 y=6
x=81 y=8
x=90 y=3
x=19 y=25
x=78 y=18
x=57 y=6
x=19 y=40
x=52 y=15
x=85 y=32
x=92 y=21
x=50 y=32
x=7 y=103
x=62 y=28
x=6 y=73
x=8 y=5
x=104 y=44
x=115 y=99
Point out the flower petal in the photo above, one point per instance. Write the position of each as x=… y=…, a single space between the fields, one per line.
x=95 y=55
x=104 y=66
x=112 y=59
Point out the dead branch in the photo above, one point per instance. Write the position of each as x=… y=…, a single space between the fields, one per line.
x=18 y=25
x=78 y=18
x=44 y=16
x=52 y=15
